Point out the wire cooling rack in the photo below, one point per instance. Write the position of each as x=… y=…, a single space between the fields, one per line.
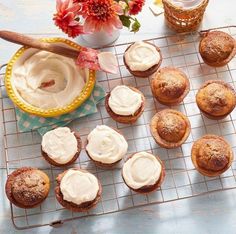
x=182 y=180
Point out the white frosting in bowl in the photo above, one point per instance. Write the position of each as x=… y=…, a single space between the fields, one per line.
x=124 y=101
x=106 y=145
x=79 y=187
x=141 y=56
x=186 y=4
x=60 y=144
x=142 y=169
x=47 y=80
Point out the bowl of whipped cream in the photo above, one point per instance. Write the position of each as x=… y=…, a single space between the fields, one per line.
x=47 y=84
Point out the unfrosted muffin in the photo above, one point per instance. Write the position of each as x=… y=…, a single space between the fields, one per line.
x=216 y=99
x=170 y=128
x=61 y=146
x=27 y=187
x=143 y=172
x=78 y=190
x=125 y=104
x=170 y=86
x=142 y=59
x=211 y=155
x=106 y=146
x=217 y=48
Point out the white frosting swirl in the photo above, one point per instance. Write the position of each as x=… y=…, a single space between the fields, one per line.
x=106 y=145
x=141 y=56
x=141 y=169
x=60 y=144
x=124 y=101
x=186 y=4
x=47 y=80
x=79 y=187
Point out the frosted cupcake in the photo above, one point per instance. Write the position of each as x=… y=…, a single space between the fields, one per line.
x=142 y=59
x=125 y=104
x=106 y=146
x=61 y=146
x=143 y=172
x=78 y=190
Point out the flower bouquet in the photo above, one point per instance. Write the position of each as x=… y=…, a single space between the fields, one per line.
x=76 y=17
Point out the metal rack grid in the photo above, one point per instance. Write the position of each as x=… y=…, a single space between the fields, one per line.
x=182 y=180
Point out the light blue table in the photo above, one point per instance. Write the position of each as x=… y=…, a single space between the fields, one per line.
x=213 y=213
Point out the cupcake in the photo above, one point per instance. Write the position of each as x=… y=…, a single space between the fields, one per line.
x=61 y=146
x=170 y=86
x=142 y=59
x=170 y=128
x=27 y=187
x=143 y=172
x=217 y=48
x=78 y=190
x=125 y=104
x=106 y=146
x=216 y=99
x=211 y=155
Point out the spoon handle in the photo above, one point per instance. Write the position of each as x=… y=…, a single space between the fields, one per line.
x=21 y=39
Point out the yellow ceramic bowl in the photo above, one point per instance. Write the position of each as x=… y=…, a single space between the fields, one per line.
x=22 y=54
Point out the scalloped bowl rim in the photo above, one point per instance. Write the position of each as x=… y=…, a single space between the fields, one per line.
x=78 y=101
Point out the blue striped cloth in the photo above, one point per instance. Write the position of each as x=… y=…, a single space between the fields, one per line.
x=27 y=122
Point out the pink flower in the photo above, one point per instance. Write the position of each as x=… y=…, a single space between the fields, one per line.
x=65 y=18
x=101 y=15
x=135 y=6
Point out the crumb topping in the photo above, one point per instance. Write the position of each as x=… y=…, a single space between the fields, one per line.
x=216 y=99
x=171 y=127
x=213 y=155
x=217 y=46
x=29 y=188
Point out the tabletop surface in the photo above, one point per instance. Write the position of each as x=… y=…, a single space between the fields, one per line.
x=212 y=213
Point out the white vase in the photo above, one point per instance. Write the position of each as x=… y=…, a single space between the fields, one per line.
x=100 y=39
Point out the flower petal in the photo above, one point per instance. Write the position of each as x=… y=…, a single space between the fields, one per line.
x=108 y=27
x=89 y=25
x=116 y=22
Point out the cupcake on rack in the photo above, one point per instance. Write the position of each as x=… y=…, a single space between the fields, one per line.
x=61 y=146
x=27 y=187
x=142 y=59
x=170 y=86
x=106 y=146
x=217 y=48
x=216 y=99
x=78 y=190
x=143 y=172
x=125 y=104
x=170 y=128
x=211 y=155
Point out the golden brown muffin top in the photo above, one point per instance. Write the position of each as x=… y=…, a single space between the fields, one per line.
x=170 y=128
x=169 y=84
x=211 y=155
x=216 y=98
x=216 y=46
x=30 y=187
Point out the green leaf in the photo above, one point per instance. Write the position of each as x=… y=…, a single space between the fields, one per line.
x=125 y=20
x=135 y=26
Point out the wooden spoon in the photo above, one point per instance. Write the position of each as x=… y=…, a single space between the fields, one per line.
x=106 y=60
x=21 y=39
